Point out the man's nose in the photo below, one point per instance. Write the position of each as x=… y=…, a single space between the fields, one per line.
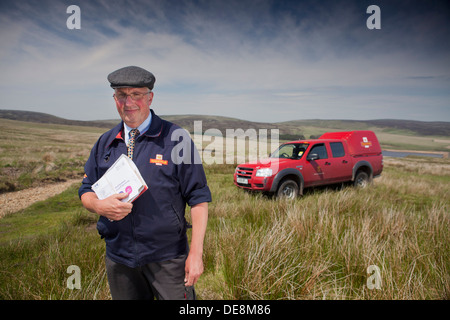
x=128 y=100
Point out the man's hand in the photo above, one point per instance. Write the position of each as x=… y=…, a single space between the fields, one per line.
x=111 y=207
x=193 y=269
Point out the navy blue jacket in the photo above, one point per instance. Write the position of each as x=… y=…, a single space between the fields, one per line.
x=155 y=230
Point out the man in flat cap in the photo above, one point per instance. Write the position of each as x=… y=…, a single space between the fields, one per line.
x=147 y=251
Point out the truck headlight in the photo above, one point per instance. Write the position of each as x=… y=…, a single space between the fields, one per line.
x=266 y=172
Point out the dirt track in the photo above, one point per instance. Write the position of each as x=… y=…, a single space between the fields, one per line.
x=18 y=200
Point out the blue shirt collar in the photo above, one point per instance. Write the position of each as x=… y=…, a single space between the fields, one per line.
x=142 y=128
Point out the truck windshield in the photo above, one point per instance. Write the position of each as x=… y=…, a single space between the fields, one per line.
x=290 y=151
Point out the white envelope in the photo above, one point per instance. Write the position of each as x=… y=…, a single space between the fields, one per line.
x=122 y=176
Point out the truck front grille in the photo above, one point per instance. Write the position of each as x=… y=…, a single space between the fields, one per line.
x=244 y=172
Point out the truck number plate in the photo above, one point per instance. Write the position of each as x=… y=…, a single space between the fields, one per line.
x=242 y=180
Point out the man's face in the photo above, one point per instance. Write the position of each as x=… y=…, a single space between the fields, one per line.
x=133 y=112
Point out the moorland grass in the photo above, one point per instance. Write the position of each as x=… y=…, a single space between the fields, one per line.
x=318 y=246
x=321 y=245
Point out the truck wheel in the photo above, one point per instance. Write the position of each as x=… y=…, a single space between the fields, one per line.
x=362 y=180
x=288 y=190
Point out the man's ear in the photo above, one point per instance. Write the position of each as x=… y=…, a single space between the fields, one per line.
x=150 y=98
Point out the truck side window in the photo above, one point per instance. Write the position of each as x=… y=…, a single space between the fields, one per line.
x=320 y=150
x=337 y=149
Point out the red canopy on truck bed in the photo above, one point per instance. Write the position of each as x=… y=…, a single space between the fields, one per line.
x=360 y=142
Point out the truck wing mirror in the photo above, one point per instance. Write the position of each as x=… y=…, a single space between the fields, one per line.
x=312 y=157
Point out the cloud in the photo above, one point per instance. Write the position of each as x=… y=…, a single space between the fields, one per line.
x=261 y=60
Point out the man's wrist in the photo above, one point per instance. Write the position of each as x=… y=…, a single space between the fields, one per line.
x=195 y=251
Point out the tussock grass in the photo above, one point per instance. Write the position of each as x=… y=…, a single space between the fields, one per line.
x=320 y=246
x=34 y=260
x=257 y=247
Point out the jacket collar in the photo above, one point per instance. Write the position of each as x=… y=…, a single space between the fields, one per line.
x=156 y=126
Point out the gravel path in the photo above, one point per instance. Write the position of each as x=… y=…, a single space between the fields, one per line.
x=18 y=200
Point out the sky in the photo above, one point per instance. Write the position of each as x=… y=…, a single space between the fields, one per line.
x=257 y=60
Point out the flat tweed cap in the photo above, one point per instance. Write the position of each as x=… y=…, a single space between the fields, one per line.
x=131 y=77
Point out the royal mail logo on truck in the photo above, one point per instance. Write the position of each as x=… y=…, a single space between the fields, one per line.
x=334 y=157
x=366 y=143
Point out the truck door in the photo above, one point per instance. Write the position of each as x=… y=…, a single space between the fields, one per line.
x=316 y=167
x=340 y=163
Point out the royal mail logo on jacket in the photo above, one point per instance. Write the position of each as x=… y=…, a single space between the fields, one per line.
x=159 y=160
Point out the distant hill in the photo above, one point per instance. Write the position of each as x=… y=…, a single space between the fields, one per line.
x=30 y=116
x=288 y=129
x=435 y=128
x=425 y=128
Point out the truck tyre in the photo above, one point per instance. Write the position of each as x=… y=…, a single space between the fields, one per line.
x=288 y=189
x=361 y=180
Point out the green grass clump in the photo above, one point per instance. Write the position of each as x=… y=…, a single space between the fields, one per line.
x=318 y=246
x=38 y=244
x=321 y=245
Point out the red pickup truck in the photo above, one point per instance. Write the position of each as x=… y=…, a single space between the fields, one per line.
x=333 y=158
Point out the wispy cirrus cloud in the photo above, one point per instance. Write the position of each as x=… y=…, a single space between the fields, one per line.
x=257 y=60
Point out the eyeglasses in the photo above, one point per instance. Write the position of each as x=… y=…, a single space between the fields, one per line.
x=135 y=96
